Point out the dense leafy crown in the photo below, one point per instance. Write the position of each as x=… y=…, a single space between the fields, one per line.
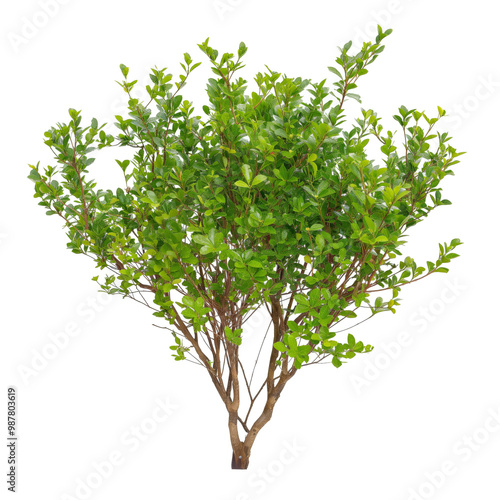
x=269 y=200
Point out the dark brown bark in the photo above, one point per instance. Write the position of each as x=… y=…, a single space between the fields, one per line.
x=242 y=450
x=240 y=460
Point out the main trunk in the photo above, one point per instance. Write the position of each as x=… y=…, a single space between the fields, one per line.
x=242 y=449
x=240 y=460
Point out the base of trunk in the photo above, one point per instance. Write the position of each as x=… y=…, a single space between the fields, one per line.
x=239 y=462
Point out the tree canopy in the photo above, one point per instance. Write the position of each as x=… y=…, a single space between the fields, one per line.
x=269 y=200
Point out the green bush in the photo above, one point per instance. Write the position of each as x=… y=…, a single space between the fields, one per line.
x=267 y=201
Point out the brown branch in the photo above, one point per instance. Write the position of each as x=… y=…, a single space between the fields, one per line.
x=85 y=208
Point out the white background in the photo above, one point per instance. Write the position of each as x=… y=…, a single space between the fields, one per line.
x=379 y=428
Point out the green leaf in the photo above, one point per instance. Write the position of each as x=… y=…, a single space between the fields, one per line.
x=201 y=239
x=320 y=242
x=124 y=70
x=152 y=196
x=255 y=263
x=304 y=350
x=233 y=337
x=279 y=346
x=330 y=343
x=158 y=162
x=258 y=179
x=241 y=184
x=242 y=49
x=336 y=362
x=188 y=301
x=292 y=342
x=301 y=299
x=247 y=172
x=369 y=223
x=335 y=71
x=441 y=270
x=34 y=175
x=204 y=250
